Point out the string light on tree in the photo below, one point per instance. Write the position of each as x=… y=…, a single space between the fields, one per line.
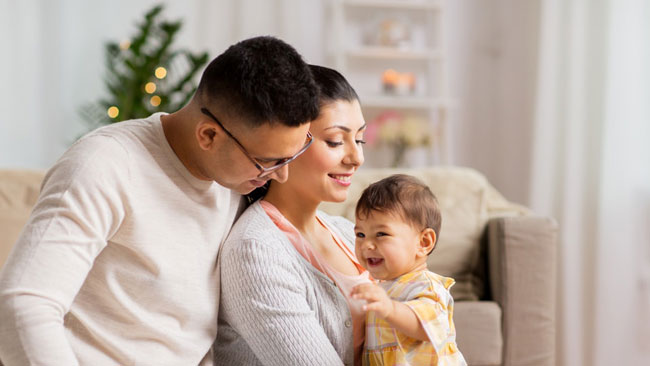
x=155 y=101
x=113 y=111
x=161 y=72
x=150 y=87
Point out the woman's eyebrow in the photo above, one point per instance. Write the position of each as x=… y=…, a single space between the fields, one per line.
x=345 y=128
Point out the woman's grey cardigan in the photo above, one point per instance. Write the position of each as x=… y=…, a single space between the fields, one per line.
x=276 y=308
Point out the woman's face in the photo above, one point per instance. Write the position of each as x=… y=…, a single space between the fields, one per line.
x=324 y=171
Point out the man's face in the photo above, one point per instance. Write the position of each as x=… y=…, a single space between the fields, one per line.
x=229 y=162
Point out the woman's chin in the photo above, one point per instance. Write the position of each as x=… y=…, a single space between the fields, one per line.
x=335 y=198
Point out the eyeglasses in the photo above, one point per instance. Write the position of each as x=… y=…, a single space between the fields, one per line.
x=264 y=171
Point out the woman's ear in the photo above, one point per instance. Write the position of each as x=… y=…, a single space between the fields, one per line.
x=427 y=242
x=206 y=134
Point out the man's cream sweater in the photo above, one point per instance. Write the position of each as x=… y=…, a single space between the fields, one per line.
x=117 y=263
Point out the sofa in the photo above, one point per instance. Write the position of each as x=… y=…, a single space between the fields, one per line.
x=501 y=255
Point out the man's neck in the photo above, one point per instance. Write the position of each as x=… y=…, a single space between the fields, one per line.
x=177 y=134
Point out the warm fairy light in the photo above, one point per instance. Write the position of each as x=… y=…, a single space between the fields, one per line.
x=155 y=101
x=150 y=87
x=125 y=44
x=113 y=111
x=161 y=72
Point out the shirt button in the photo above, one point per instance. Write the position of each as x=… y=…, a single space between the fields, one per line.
x=348 y=324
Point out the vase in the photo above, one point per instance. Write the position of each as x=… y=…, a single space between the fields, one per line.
x=416 y=157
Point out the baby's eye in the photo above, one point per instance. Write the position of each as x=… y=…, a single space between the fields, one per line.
x=360 y=235
x=334 y=143
x=381 y=233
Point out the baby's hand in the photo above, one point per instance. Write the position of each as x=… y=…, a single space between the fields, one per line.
x=376 y=297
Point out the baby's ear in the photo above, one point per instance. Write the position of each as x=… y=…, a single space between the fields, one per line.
x=427 y=242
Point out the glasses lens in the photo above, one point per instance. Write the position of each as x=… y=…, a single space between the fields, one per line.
x=284 y=162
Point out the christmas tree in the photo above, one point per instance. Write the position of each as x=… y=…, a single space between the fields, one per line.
x=145 y=75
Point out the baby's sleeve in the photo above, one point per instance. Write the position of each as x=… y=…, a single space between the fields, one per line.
x=434 y=307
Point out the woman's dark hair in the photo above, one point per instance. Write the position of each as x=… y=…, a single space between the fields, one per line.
x=405 y=196
x=332 y=85
x=263 y=80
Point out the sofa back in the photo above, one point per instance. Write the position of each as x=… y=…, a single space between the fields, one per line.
x=19 y=191
x=466 y=201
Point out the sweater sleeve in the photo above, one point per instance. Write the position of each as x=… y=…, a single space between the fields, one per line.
x=79 y=208
x=265 y=299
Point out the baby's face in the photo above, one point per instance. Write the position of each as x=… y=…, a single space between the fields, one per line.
x=387 y=246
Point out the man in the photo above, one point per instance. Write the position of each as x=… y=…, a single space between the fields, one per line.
x=117 y=263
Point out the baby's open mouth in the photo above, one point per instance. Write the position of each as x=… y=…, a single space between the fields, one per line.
x=375 y=261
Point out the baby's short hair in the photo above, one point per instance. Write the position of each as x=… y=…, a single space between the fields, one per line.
x=405 y=196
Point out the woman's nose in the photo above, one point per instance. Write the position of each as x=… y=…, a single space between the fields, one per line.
x=354 y=155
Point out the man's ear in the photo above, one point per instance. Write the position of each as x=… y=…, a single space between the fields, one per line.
x=206 y=134
x=427 y=242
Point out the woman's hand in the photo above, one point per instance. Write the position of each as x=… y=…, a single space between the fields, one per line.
x=376 y=297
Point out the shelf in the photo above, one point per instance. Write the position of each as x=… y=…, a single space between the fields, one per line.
x=393 y=53
x=395 y=4
x=402 y=102
x=367 y=44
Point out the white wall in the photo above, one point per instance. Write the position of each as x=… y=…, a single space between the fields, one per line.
x=57 y=64
x=53 y=57
x=493 y=46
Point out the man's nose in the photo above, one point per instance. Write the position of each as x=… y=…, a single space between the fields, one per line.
x=281 y=175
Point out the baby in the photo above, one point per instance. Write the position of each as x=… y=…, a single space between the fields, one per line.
x=409 y=319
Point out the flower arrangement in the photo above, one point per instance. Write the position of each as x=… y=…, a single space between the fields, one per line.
x=399 y=132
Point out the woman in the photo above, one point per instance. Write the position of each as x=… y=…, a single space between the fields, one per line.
x=286 y=268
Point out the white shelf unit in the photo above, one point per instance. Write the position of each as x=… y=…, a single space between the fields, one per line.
x=424 y=55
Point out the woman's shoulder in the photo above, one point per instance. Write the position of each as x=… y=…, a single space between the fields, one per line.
x=343 y=226
x=253 y=225
x=338 y=221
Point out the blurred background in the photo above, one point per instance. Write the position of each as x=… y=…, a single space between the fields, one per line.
x=549 y=99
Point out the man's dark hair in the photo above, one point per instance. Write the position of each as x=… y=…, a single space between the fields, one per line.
x=332 y=85
x=263 y=80
x=405 y=196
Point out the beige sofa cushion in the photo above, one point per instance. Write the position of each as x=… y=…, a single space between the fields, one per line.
x=478 y=332
x=18 y=194
x=462 y=194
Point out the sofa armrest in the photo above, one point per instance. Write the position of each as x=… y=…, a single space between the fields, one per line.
x=522 y=271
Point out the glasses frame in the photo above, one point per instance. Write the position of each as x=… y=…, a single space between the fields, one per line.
x=264 y=171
